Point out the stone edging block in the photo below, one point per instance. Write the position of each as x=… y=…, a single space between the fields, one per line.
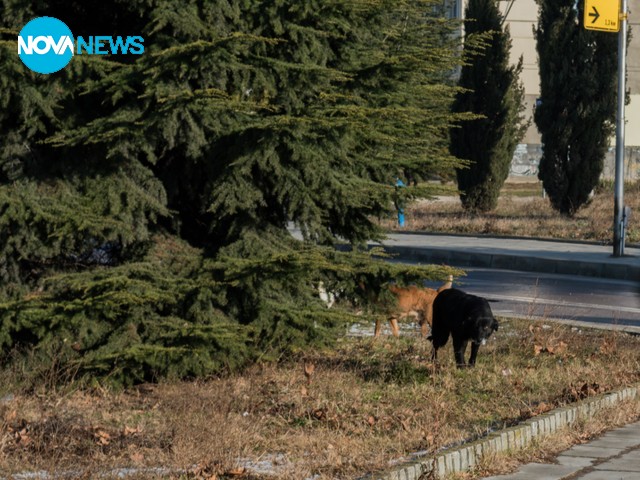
x=462 y=458
x=461 y=258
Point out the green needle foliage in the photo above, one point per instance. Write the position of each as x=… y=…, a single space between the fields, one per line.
x=145 y=201
x=492 y=90
x=576 y=116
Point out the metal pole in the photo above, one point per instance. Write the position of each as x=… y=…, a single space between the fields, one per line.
x=618 y=209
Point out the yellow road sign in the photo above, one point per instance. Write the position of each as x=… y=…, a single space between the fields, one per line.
x=602 y=15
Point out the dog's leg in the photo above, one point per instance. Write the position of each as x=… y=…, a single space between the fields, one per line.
x=395 y=329
x=474 y=353
x=423 y=324
x=423 y=329
x=376 y=332
x=427 y=318
x=459 y=347
x=434 y=353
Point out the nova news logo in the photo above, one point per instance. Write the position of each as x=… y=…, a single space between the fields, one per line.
x=46 y=45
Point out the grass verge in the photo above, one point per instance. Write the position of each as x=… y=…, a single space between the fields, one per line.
x=357 y=408
x=524 y=213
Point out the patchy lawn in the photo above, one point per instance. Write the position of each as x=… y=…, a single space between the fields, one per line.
x=357 y=408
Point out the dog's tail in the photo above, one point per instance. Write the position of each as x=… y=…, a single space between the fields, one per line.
x=447 y=285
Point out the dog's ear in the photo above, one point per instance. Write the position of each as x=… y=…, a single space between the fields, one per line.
x=495 y=325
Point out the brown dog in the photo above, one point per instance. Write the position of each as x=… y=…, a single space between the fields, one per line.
x=413 y=302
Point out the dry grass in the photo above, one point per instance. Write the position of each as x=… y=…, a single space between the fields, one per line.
x=524 y=213
x=367 y=403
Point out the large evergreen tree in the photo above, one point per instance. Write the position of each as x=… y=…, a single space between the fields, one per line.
x=576 y=113
x=492 y=90
x=145 y=200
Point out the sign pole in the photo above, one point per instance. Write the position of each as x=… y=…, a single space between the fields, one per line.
x=619 y=220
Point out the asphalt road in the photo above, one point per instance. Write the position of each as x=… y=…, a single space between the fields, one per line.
x=574 y=299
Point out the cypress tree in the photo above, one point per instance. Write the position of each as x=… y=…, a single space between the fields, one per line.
x=491 y=89
x=152 y=225
x=576 y=112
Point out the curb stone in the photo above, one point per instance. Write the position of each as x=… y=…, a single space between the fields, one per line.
x=462 y=458
x=513 y=261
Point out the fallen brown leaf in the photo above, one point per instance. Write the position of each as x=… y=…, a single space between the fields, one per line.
x=23 y=438
x=560 y=348
x=309 y=368
x=136 y=457
x=590 y=389
x=542 y=407
x=405 y=425
x=236 y=471
x=320 y=413
x=101 y=437
x=128 y=431
x=10 y=416
x=607 y=347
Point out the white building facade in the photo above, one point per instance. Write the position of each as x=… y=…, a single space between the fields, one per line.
x=521 y=17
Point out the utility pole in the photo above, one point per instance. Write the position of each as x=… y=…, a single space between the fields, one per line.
x=611 y=16
x=620 y=213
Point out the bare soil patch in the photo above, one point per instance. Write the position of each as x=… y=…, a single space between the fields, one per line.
x=354 y=409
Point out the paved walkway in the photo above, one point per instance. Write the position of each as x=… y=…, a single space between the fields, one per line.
x=614 y=456
x=517 y=254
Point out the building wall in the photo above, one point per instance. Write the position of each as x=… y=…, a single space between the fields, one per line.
x=632 y=111
x=521 y=18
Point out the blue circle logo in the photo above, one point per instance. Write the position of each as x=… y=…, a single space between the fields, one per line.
x=45 y=45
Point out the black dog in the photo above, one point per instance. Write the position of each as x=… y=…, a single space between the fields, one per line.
x=467 y=318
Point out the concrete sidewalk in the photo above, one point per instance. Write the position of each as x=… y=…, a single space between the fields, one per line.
x=614 y=456
x=528 y=255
